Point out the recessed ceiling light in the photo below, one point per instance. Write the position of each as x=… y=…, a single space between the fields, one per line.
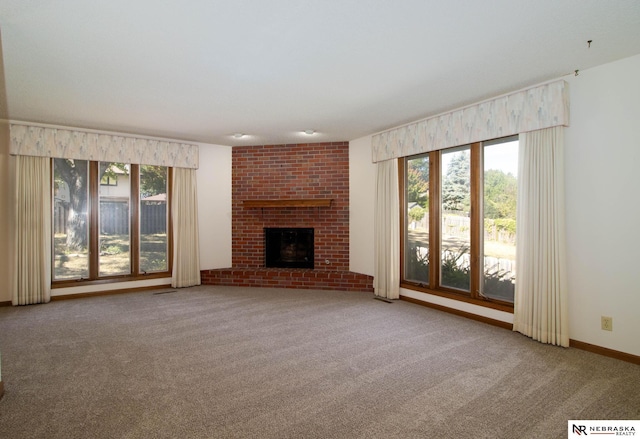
x=309 y=132
x=238 y=135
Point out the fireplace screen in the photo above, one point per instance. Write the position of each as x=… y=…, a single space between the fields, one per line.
x=288 y=248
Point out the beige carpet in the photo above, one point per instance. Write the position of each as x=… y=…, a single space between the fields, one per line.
x=223 y=362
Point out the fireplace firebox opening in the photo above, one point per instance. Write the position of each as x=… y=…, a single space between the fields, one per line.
x=288 y=247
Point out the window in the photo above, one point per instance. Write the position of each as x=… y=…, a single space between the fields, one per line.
x=70 y=219
x=455 y=209
x=416 y=236
x=459 y=222
x=108 y=180
x=109 y=231
x=154 y=245
x=500 y=192
x=114 y=222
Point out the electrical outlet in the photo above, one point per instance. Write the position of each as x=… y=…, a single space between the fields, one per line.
x=606 y=323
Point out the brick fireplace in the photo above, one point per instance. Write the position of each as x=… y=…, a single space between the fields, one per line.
x=291 y=186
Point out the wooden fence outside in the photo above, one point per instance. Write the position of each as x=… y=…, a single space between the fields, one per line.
x=114 y=217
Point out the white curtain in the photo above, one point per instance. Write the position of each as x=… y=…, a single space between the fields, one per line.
x=540 y=304
x=32 y=252
x=386 y=280
x=186 y=252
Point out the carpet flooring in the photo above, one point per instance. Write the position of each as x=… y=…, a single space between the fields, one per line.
x=225 y=362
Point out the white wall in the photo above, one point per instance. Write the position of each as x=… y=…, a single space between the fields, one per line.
x=362 y=177
x=214 y=206
x=602 y=162
x=6 y=192
x=602 y=165
x=8 y=212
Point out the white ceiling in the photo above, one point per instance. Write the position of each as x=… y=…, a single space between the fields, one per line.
x=202 y=70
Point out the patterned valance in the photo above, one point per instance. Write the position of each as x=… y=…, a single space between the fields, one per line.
x=72 y=144
x=540 y=107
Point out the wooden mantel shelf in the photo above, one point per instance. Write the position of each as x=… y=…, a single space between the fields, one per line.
x=288 y=202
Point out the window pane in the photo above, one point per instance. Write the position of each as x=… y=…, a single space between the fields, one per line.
x=499 y=205
x=455 y=239
x=70 y=226
x=114 y=239
x=153 y=219
x=416 y=244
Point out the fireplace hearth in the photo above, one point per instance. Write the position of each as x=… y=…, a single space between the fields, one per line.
x=288 y=247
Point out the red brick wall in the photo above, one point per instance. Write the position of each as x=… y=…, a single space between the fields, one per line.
x=319 y=170
x=288 y=278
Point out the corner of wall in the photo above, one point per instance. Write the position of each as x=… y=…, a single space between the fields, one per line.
x=362 y=178
x=6 y=185
x=6 y=220
x=214 y=206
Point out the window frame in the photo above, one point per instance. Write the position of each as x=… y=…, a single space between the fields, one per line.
x=93 y=205
x=434 y=287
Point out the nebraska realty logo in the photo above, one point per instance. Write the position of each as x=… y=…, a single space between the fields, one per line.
x=603 y=428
